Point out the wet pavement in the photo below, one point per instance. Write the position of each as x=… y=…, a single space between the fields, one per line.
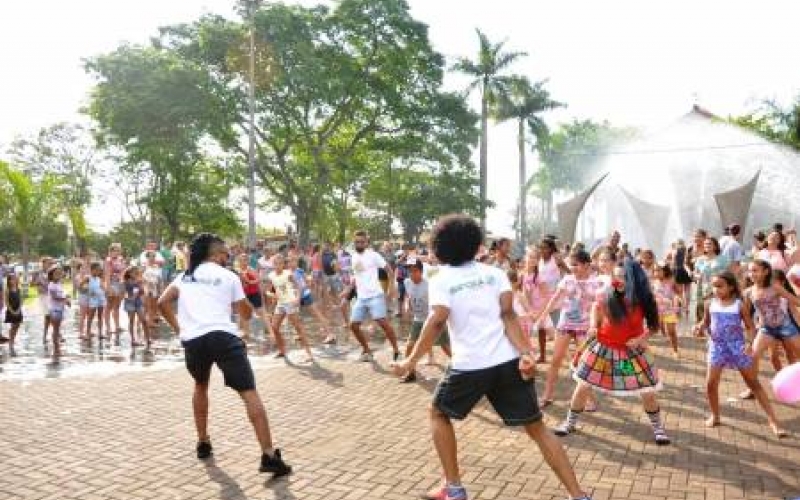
x=114 y=424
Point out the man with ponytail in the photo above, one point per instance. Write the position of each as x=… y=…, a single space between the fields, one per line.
x=206 y=293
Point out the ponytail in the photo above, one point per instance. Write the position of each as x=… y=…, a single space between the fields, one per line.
x=199 y=250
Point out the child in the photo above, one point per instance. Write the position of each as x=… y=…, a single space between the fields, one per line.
x=417 y=305
x=12 y=298
x=728 y=348
x=307 y=301
x=520 y=304
x=667 y=296
x=134 y=305
x=577 y=293
x=647 y=259
x=773 y=301
x=42 y=282
x=80 y=283
x=287 y=293
x=614 y=359
x=96 y=295
x=152 y=289
x=58 y=300
x=536 y=296
x=251 y=283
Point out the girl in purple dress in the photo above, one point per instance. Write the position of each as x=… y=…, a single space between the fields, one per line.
x=727 y=347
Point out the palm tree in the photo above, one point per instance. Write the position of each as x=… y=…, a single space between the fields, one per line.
x=487 y=73
x=26 y=203
x=524 y=102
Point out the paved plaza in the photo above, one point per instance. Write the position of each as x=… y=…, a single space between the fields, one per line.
x=111 y=426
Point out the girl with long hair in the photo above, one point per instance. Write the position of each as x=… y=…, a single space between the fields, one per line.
x=615 y=359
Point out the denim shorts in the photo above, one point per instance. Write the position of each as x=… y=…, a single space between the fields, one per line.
x=786 y=331
x=374 y=306
x=512 y=397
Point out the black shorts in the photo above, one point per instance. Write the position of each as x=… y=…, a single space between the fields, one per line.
x=228 y=352
x=255 y=300
x=513 y=398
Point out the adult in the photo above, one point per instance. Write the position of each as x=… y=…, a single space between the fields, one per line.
x=731 y=248
x=370 y=297
x=612 y=242
x=694 y=253
x=491 y=355
x=151 y=246
x=205 y=294
x=332 y=285
x=706 y=267
x=113 y=268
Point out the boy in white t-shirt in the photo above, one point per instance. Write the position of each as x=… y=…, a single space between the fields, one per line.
x=416 y=287
x=491 y=354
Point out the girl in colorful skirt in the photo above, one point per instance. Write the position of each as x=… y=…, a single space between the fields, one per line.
x=667 y=296
x=727 y=347
x=615 y=358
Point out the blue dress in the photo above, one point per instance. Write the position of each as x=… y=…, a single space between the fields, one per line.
x=726 y=343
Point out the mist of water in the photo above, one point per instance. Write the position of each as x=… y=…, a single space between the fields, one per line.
x=681 y=167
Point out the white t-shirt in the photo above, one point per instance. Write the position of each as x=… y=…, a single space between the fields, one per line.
x=204 y=304
x=472 y=294
x=418 y=298
x=365 y=271
x=284 y=288
x=159 y=258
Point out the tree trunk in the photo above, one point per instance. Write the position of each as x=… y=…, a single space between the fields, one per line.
x=303 y=222
x=25 y=259
x=523 y=227
x=484 y=154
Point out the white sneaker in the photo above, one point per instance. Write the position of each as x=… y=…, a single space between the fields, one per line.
x=366 y=357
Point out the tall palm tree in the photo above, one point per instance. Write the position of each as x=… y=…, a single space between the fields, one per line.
x=524 y=101
x=487 y=72
x=25 y=203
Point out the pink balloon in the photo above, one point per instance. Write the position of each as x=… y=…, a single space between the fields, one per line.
x=786 y=384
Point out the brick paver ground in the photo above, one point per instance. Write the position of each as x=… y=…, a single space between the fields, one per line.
x=352 y=431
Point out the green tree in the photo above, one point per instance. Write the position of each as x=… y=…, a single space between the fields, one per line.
x=524 y=102
x=67 y=153
x=336 y=90
x=568 y=156
x=26 y=203
x=774 y=122
x=158 y=108
x=487 y=70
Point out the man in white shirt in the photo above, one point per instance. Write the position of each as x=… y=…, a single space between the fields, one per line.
x=370 y=298
x=491 y=355
x=205 y=294
x=151 y=246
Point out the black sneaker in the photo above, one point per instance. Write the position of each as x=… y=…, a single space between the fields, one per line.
x=204 y=449
x=274 y=464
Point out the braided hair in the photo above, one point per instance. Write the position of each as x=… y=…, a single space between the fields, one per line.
x=637 y=293
x=199 y=251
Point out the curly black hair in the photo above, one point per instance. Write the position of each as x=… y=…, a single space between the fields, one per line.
x=456 y=239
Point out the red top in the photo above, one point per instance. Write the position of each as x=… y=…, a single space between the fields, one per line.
x=250 y=282
x=617 y=334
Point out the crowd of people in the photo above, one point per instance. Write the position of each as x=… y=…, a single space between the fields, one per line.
x=491 y=313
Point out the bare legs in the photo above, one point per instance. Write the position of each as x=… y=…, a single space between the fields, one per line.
x=444 y=439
